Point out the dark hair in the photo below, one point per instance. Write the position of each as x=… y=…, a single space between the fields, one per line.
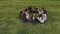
x=20 y=11
x=36 y=8
x=25 y=10
x=43 y=10
x=42 y=7
x=30 y=8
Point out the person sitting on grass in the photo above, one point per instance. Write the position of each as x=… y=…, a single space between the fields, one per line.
x=42 y=15
x=22 y=16
x=28 y=15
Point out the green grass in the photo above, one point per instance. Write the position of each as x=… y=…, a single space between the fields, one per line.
x=10 y=23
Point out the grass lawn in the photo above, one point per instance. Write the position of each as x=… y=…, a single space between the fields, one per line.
x=10 y=23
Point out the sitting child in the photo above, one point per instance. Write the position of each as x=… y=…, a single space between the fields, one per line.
x=42 y=15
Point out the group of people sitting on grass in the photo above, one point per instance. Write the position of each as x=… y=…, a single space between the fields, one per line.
x=33 y=15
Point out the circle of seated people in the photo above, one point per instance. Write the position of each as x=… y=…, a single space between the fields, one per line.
x=33 y=15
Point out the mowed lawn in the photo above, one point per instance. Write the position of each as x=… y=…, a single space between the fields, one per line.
x=10 y=23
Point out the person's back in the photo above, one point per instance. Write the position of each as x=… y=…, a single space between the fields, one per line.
x=43 y=15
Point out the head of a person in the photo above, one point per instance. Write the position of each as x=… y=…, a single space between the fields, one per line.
x=21 y=11
x=42 y=8
x=29 y=8
x=25 y=10
x=35 y=8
